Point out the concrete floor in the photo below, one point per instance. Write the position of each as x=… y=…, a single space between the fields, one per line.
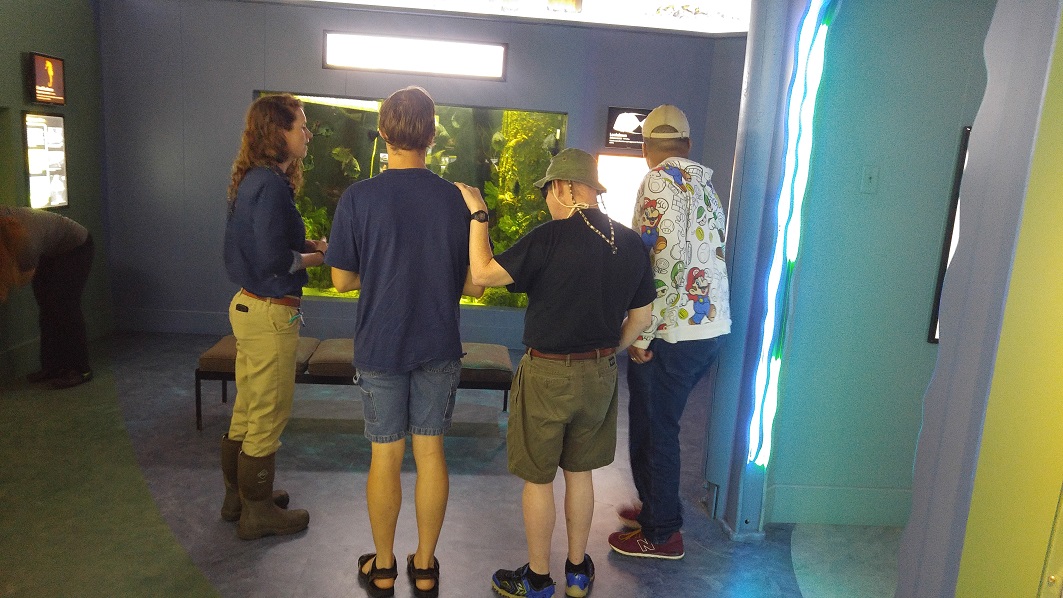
x=323 y=464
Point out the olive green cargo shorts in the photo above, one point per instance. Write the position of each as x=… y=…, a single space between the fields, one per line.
x=563 y=415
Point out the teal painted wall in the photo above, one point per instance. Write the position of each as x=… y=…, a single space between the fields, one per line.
x=901 y=79
x=65 y=29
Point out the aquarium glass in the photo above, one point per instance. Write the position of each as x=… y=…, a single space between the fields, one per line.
x=500 y=151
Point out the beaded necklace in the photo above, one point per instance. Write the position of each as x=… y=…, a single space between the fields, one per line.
x=579 y=207
x=612 y=234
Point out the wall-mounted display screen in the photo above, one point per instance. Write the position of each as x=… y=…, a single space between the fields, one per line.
x=46 y=80
x=952 y=233
x=624 y=127
x=46 y=160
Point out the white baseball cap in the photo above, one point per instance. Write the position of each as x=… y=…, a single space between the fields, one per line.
x=666 y=115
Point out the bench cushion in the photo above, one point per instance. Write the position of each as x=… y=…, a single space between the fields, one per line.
x=486 y=364
x=222 y=356
x=333 y=358
x=483 y=364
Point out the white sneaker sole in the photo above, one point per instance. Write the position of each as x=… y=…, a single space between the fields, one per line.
x=648 y=555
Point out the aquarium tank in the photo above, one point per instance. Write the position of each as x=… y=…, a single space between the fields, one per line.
x=500 y=151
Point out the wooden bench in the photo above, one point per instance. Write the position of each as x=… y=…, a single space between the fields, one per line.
x=484 y=366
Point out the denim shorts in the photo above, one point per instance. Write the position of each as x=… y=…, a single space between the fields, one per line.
x=419 y=402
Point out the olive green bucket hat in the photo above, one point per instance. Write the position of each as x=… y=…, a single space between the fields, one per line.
x=572 y=164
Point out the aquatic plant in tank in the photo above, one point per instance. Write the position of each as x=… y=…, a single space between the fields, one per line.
x=500 y=151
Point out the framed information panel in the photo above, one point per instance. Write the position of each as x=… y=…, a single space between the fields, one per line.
x=46 y=160
x=47 y=83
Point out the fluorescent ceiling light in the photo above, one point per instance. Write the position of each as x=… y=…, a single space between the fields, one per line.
x=415 y=55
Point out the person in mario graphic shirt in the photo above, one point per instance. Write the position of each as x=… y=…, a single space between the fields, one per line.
x=681 y=221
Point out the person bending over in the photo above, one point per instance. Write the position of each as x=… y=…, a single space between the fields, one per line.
x=53 y=254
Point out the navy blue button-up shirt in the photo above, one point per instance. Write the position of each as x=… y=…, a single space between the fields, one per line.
x=263 y=230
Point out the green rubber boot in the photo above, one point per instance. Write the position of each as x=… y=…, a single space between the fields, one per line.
x=259 y=515
x=230 y=507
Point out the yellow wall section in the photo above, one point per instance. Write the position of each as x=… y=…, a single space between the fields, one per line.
x=1020 y=466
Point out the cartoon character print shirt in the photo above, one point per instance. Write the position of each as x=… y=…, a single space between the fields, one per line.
x=681 y=221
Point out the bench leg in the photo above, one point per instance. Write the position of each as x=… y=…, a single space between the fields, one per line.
x=199 y=403
x=224 y=391
x=505 y=401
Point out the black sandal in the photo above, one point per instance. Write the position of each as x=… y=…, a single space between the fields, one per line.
x=430 y=573
x=367 y=579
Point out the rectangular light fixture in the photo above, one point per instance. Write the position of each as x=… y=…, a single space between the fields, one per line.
x=621 y=175
x=415 y=55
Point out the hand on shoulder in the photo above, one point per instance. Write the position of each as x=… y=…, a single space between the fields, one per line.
x=473 y=199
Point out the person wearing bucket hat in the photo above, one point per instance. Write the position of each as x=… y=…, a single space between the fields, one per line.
x=571 y=164
x=589 y=289
x=681 y=222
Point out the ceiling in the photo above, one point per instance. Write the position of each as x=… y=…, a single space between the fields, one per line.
x=710 y=17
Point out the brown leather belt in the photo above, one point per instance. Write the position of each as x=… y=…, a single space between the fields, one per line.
x=595 y=354
x=286 y=301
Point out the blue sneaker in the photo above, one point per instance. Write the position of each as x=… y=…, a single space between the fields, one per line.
x=578 y=584
x=515 y=584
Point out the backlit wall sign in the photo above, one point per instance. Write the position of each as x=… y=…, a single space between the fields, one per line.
x=624 y=128
x=46 y=160
x=46 y=80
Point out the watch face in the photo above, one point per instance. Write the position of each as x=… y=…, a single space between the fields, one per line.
x=479 y=216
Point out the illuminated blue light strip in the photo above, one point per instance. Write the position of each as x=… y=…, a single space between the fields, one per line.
x=801 y=105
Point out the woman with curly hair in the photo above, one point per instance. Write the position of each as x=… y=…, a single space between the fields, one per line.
x=266 y=253
x=55 y=253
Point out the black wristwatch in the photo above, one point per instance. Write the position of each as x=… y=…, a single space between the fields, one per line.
x=479 y=216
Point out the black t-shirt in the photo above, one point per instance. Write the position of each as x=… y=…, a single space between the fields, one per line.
x=578 y=290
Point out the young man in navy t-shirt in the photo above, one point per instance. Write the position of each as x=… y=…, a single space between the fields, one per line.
x=402 y=238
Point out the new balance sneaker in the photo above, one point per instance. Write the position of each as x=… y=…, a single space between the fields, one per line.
x=516 y=584
x=629 y=516
x=578 y=580
x=633 y=543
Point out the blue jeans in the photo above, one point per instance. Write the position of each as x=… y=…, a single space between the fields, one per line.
x=659 y=391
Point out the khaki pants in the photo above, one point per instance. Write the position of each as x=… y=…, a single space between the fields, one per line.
x=267 y=336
